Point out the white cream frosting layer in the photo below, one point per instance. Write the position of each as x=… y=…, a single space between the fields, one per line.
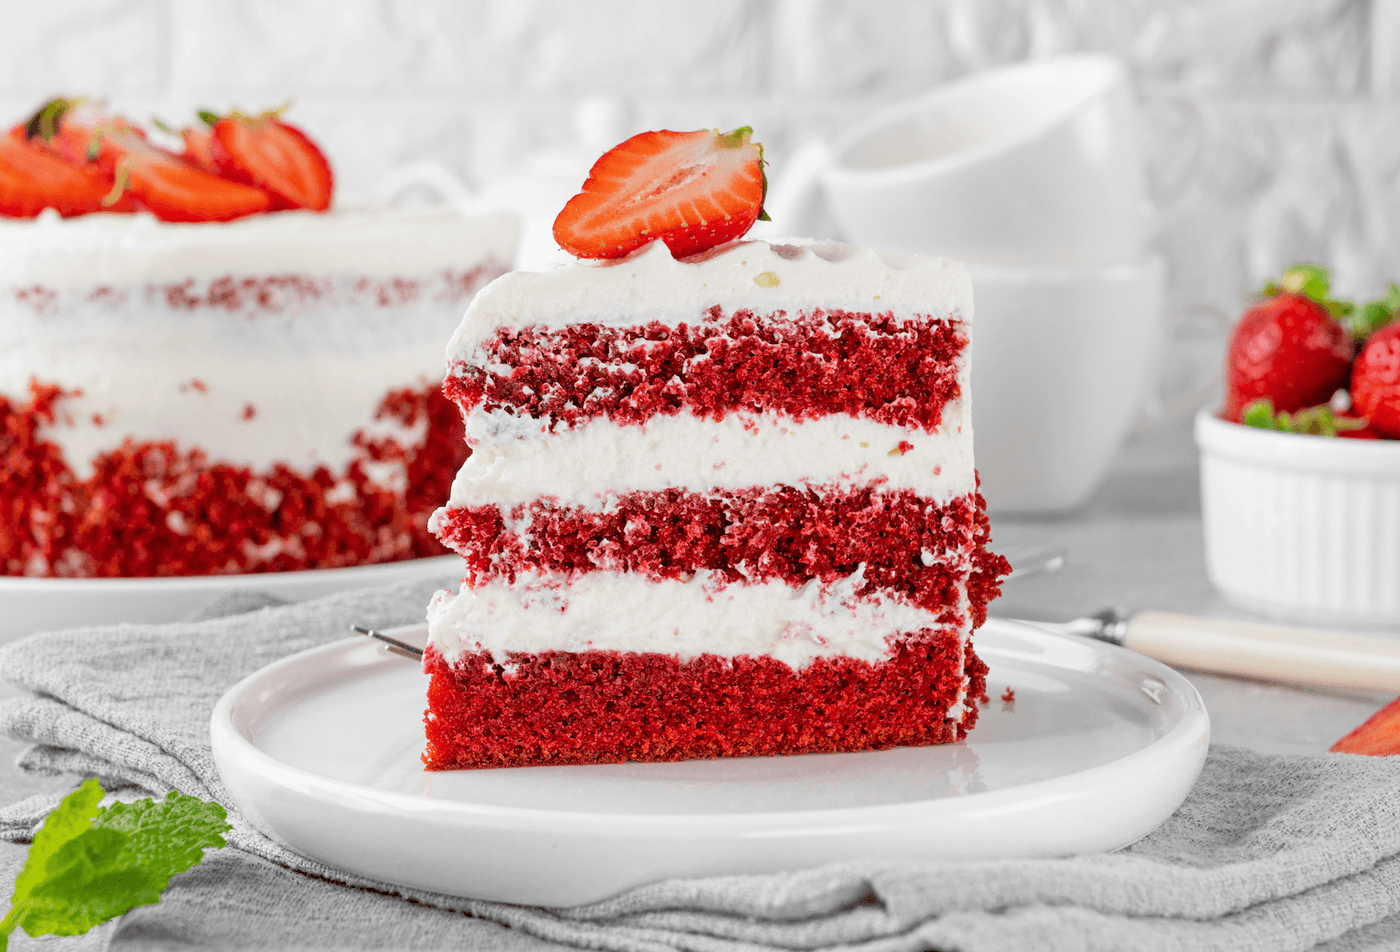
x=124 y=251
x=302 y=412
x=605 y=611
x=583 y=465
x=515 y=460
x=650 y=285
x=313 y=373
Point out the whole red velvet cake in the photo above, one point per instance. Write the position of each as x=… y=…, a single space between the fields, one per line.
x=182 y=393
x=719 y=506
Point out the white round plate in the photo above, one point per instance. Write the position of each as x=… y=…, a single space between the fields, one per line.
x=46 y=604
x=321 y=752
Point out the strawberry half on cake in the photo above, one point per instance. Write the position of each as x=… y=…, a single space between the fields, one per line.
x=716 y=506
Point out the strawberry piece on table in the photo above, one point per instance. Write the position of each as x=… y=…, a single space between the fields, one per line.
x=1375 y=381
x=1289 y=349
x=164 y=184
x=1379 y=736
x=32 y=179
x=692 y=190
x=278 y=158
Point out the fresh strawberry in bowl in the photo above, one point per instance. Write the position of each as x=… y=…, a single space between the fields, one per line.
x=1288 y=349
x=1375 y=381
x=1300 y=470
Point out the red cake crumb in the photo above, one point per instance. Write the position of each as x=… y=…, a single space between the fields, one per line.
x=808 y=366
x=249 y=411
x=155 y=509
x=594 y=707
x=748 y=535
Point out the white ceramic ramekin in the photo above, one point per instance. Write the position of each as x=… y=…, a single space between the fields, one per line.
x=1303 y=527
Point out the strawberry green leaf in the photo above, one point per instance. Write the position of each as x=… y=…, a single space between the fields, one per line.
x=1260 y=414
x=1373 y=315
x=1311 y=281
x=207 y=117
x=1320 y=420
x=88 y=865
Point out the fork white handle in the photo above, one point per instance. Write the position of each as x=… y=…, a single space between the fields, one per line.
x=1258 y=650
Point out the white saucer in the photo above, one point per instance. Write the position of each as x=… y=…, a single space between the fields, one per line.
x=46 y=604
x=321 y=751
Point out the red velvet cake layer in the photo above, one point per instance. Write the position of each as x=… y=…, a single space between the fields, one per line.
x=899 y=372
x=759 y=534
x=608 y=707
x=155 y=509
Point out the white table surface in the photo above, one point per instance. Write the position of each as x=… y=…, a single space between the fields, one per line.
x=1136 y=544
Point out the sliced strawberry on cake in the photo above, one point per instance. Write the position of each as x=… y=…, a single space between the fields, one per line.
x=199 y=145
x=170 y=188
x=692 y=190
x=33 y=179
x=272 y=155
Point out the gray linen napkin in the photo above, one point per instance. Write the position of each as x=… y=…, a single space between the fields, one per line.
x=1267 y=853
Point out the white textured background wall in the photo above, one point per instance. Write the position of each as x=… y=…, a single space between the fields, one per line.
x=1294 y=102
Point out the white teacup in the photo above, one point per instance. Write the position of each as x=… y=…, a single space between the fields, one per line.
x=1037 y=164
x=1061 y=359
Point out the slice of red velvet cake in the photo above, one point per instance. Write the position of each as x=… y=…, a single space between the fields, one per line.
x=723 y=506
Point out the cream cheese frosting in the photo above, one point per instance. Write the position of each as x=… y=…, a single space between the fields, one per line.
x=248 y=385
x=517 y=459
x=580 y=466
x=133 y=250
x=607 y=611
x=650 y=285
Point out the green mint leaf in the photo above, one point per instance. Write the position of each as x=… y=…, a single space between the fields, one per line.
x=87 y=884
x=88 y=865
x=72 y=817
x=168 y=837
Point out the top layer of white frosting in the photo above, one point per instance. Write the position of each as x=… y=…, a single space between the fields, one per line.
x=650 y=285
x=126 y=251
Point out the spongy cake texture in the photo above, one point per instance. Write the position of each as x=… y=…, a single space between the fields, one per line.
x=716 y=507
